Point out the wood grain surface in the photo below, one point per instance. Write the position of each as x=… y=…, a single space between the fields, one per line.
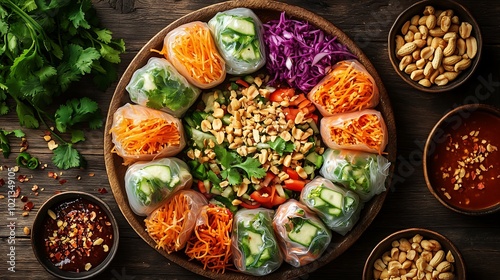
x=408 y=204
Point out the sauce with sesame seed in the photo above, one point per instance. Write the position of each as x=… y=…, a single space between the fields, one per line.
x=78 y=235
x=464 y=168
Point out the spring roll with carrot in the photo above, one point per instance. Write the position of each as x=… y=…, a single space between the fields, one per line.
x=348 y=87
x=140 y=133
x=158 y=85
x=171 y=224
x=302 y=236
x=337 y=207
x=210 y=242
x=238 y=36
x=254 y=245
x=364 y=130
x=192 y=50
x=150 y=183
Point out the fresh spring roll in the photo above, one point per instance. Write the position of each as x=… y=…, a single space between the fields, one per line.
x=337 y=207
x=361 y=172
x=140 y=133
x=348 y=87
x=238 y=36
x=158 y=85
x=171 y=224
x=254 y=245
x=148 y=184
x=363 y=130
x=192 y=50
x=302 y=236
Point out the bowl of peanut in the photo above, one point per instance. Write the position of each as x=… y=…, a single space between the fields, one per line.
x=75 y=235
x=435 y=46
x=415 y=253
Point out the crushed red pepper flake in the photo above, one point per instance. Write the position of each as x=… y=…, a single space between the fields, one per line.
x=63 y=181
x=102 y=190
x=28 y=206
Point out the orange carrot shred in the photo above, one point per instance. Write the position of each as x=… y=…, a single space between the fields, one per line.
x=211 y=241
x=345 y=89
x=149 y=136
x=367 y=129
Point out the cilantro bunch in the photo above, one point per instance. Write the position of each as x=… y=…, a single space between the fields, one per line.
x=45 y=46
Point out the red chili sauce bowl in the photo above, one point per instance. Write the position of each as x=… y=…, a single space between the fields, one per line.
x=75 y=235
x=462 y=160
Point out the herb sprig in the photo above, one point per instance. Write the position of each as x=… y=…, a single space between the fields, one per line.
x=45 y=46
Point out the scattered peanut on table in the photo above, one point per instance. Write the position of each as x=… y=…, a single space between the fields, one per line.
x=415 y=258
x=434 y=48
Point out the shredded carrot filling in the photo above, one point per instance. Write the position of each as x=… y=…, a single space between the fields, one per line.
x=345 y=89
x=167 y=222
x=148 y=136
x=365 y=130
x=211 y=242
x=196 y=50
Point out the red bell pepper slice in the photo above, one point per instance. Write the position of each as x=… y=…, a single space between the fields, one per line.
x=242 y=83
x=294 y=184
x=267 y=197
x=291 y=173
x=281 y=94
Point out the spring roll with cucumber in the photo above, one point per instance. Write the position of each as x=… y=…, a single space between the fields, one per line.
x=160 y=86
x=238 y=37
x=149 y=184
x=361 y=172
x=254 y=244
x=337 y=207
x=302 y=236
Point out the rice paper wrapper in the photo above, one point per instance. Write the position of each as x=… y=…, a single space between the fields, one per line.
x=194 y=201
x=238 y=36
x=149 y=184
x=363 y=130
x=253 y=230
x=341 y=219
x=340 y=91
x=159 y=85
x=132 y=116
x=184 y=48
x=293 y=220
x=362 y=172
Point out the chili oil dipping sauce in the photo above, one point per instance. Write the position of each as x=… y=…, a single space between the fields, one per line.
x=75 y=235
x=462 y=159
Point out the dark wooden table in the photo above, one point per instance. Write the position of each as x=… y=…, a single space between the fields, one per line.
x=409 y=203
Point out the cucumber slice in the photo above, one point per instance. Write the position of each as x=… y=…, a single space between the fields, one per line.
x=318 y=202
x=160 y=172
x=242 y=26
x=315 y=159
x=254 y=242
x=248 y=53
x=334 y=211
x=331 y=197
x=145 y=187
x=304 y=234
x=249 y=260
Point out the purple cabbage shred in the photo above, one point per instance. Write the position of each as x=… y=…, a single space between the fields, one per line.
x=299 y=54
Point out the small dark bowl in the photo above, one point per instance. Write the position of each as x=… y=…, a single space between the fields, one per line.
x=450 y=122
x=38 y=243
x=417 y=9
x=386 y=245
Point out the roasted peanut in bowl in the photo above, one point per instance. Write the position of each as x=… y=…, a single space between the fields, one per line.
x=415 y=253
x=435 y=46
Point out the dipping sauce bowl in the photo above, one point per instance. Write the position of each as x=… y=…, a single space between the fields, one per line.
x=75 y=235
x=462 y=160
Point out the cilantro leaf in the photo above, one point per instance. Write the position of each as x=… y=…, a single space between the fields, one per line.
x=281 y=146
x=4 y=141
x=252 y=167
x=77 y=136
x=226 y=158
x=77 y=111
x=65 y=157
x=26 y=116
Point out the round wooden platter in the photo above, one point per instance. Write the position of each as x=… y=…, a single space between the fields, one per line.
x=266 y=10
